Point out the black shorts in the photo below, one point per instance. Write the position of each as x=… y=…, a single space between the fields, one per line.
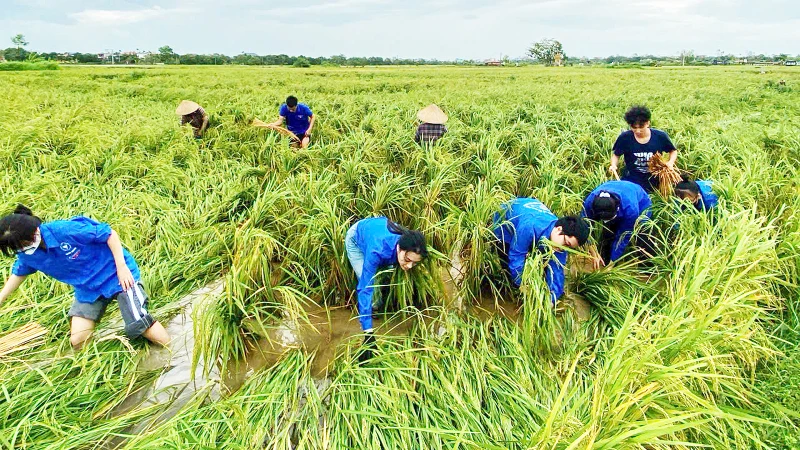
x=300 y=138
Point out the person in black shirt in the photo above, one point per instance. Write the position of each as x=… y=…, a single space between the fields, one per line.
x=638 y=145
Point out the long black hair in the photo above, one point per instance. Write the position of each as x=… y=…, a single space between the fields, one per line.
x=604 y=206
x=17 y=229
x=410 y=240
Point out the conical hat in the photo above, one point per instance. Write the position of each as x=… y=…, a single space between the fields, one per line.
x=186 y=107
x=432 y=114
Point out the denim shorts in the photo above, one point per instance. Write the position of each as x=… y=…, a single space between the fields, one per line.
x=132 y=304
x=354 y=254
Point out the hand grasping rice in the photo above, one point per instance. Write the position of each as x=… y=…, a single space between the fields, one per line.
x=667 y=175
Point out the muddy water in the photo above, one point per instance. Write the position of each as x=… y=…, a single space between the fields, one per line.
x=177 y=384
x=321 y=337
x=325 y=336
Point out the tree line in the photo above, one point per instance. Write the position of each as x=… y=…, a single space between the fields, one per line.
x=546 y=51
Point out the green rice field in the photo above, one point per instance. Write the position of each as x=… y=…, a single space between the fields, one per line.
x=699 y=349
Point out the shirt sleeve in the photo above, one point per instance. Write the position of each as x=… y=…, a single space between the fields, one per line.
x=620 y=145
x=554 y=275
x=621 y=239
x=587 y=205
x=365 y=290
x=710 y=201
x=283 y=111
x=622 y=236
x=666 y=143
x=89 y=231
x=21 y=269
x=518 y=252
x=308 y=111
x=644 y=205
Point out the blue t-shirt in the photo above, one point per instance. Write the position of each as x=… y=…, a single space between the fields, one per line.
x=524 y=223
x=634 y=203
x=379 y=246
x=297 y=121
x=637 y=155
x=708 y=199
x=77 y=254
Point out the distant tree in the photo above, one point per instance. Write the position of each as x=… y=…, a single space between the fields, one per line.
x=128 y=59
x=545 y=51
x=19 y=41
x=15 y=54
x=687 y=56
x=338 y=60
x=166 y=54
x=301 y=61
x=86 y=58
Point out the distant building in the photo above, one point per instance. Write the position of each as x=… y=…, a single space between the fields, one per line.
x=790 y=62
x=493 y=62
x=249 y=54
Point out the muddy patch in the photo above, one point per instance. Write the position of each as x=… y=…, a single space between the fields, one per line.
x=178 y=383
x=321 y=337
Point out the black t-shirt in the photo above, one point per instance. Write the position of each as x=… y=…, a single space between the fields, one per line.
x=637 y=155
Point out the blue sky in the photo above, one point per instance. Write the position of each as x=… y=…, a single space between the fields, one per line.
x=443 y=29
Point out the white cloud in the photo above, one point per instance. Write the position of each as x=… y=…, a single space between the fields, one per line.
x=441 y=29
x=119 y=16
x=334 y=7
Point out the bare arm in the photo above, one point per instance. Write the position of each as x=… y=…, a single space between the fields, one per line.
x=13 y=282
x=205 y=124
x=311 y=123
x=673 y=156
x=614 y=167
x=123 y=272
x=278 y=122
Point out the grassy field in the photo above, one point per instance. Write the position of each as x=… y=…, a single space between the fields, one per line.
x=699 y=349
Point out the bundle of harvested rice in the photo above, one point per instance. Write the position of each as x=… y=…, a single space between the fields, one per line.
x=668 y=176
x=27 y=336
x=261 y=124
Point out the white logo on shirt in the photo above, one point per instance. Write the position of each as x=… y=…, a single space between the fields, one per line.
x=538 y=206
x=642 y=158
x=65 y=246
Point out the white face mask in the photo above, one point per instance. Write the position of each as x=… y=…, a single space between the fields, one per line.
x=29 y=249
x=615 y=216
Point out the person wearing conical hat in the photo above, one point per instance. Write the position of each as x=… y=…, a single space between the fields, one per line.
x=431 y=127
x=194 y=115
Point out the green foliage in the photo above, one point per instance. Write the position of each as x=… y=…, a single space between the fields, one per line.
x=39 y=65
x=301 y=62
x=19 y=41
x=683 y=353
x=547 y=51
